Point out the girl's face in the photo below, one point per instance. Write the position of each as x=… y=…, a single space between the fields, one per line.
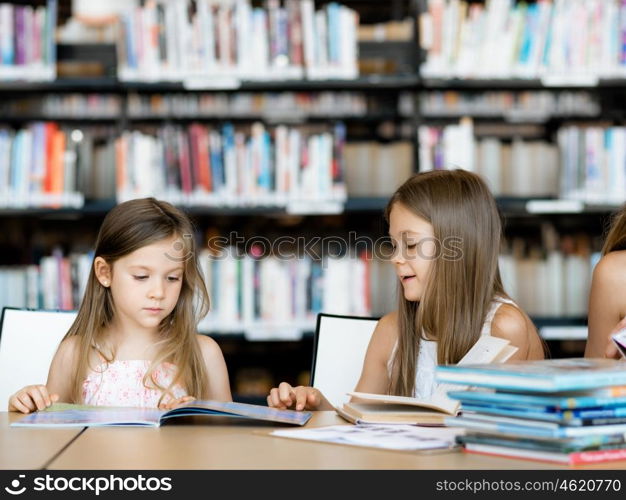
x=146 y=283
x=414 y=250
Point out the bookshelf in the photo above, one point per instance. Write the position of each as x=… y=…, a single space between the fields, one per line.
x=383 y=110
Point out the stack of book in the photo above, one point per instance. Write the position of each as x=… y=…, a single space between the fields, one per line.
x=568 y=411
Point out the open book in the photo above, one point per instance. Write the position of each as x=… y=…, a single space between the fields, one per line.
x=64 y=415
x=384 y=409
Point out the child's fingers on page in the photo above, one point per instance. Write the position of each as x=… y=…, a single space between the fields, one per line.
x=275 y=398
x=54 y=398
x=277 y=403
x=301 y=398
x=25 y=399
x=43 y=391
x=314 y=398
x=38 y=398
x=286 y=393
x=19 y=406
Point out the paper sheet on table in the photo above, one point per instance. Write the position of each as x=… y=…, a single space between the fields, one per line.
x=392 y=437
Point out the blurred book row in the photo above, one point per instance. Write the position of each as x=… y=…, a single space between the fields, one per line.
x=27 y=46
x=528 y=105
x=208 y=43
x=550 y=277
x=233 y=166
x=263 y=296
x=588 y=162
x=44 y=164
x=560 y=41
x=271 y=106
x=276 y=282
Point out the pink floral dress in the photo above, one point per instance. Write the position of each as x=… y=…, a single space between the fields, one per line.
x=120 y=383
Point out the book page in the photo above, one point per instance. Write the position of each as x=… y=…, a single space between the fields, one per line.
x=65 y=415
x=436 y=403
x=391 y=437
x=619 y=339
x=485 y=350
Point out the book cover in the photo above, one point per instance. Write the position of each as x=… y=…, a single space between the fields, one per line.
x=93 y=416
x=606 y=397
x=529 y=428
x=575 y=458
x=579 y=417
x=568 y=445
x=538 y=376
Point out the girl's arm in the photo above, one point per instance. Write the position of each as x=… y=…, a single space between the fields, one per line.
x=61 y=371
x=374 y=376
x=607 y=305
x=58 y=387
x=512 y=324
x=219 y=386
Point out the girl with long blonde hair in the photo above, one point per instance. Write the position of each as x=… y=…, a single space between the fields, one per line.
x=134 y=341
x=446 y=233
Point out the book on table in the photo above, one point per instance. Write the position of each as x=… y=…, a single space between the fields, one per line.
x=381 y=409
x=64 y=415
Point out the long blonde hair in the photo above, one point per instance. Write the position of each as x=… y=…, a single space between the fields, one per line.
x=616 y=237
x=126 y=228
x=460 y=288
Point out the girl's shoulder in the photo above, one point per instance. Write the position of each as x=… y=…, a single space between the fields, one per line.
x=512 y=324
x=387 y=329
x=68 y=348
x=611 y=269
x=208 y=347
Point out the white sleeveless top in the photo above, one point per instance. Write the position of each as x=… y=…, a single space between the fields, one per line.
x=427 y=356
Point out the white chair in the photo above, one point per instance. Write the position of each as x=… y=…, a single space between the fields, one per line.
x=338 y=353
x=28 y=340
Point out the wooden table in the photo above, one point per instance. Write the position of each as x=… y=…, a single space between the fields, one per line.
x=222 y=444
x=22 y=448
x=242 y=445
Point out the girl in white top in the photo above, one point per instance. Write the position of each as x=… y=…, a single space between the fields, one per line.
x=445 y=230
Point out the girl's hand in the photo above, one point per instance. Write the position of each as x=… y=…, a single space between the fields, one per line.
x=173 y=403
x=611 y=348
x=298 y=398
x=32 y=398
